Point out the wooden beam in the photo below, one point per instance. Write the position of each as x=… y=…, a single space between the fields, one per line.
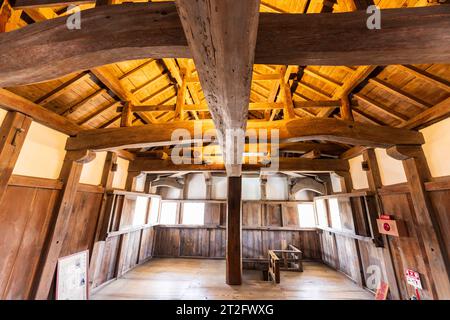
x=150 y=33
x=350 y=133
x=346 y=109
x=63 y=88
x=70 y=176
x=112 y=82
x=436 y=113
x=284 y=165
x=417 y=173
x=234 y=232
x=127 y=115
x=11 y=101
x=292 y=131
x=27 y=4
x=381 y=108
x=356 y=78
x=13 y=131
x=222 y=42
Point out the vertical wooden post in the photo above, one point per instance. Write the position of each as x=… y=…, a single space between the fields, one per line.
x=181 y=96
x=374 y=181
x=346 y=109
x=234 y=231
x=130 y=184
x=417 y=173
x=285 y=89
x=70 y=176
x=12 y=136
x=126 y=119
x=108 y=173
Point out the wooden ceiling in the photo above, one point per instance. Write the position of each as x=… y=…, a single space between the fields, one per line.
x=159 y=89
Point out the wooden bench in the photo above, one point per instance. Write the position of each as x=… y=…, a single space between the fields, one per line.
x=286 y=260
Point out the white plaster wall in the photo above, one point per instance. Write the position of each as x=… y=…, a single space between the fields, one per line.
x=42 y=154
x=251 y=189
x=335 y=182
x=277 y=188
x=3 y=113
x=171 y=193
x=196 y=186
x=140 y=183
x=305 y=195
x=437 y=147
x=92 y=171
x=359 y=177
x=219 y=188
x=391 y=170
x=120 y=176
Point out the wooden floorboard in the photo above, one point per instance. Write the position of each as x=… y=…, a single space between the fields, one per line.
x=183 y=279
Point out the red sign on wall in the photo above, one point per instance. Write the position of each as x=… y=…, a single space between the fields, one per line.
x=413 y=278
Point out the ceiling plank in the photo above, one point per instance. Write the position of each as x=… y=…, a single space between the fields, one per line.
x=222 y=39
x=151 y=34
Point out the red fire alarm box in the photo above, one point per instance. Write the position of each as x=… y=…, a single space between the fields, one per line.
x=390 y=227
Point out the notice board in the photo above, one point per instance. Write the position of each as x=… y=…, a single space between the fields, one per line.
x=72 y=277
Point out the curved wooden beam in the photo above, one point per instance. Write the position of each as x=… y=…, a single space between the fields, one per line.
x=292 y=131
x=48 y=50
x=108 y=34
x=308 y=184
x=351 y=133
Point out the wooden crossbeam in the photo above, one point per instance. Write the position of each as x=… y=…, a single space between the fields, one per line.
x=27 y=4
x=13 y=102
x=285 y=165
x=293 y=131
x=222 y=42
x=437 y=112
x=151 y=34
x=380 y=107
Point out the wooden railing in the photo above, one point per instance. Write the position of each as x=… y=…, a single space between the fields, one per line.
x=286 y=260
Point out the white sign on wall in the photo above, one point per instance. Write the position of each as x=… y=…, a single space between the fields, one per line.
x=72 y=277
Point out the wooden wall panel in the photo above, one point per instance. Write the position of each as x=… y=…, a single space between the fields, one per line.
x=194 y=242
x=329 y=249
x=272 y=215
x=252 y=245
x=83 y=222
x=147 y=243
x=25 y=215
x=251 y=214
x=167 y=242
x=213 y=213
x=441 y=202
x=217 y=238
x=348 y=256
x=310 y=244
x=290 y=215
x=406 y=251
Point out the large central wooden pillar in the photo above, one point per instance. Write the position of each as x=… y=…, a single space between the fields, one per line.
x=234 y=231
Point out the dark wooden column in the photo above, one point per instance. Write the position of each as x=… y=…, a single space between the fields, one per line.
x=417 y=173
x=234 y=231
x=374 y=181
x=12 y=136
x=70 y=176
x=109 y=170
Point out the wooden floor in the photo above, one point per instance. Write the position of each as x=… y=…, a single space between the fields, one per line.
x=205 y=279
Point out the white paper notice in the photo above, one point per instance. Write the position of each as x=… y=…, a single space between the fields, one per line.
x=72 y=282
